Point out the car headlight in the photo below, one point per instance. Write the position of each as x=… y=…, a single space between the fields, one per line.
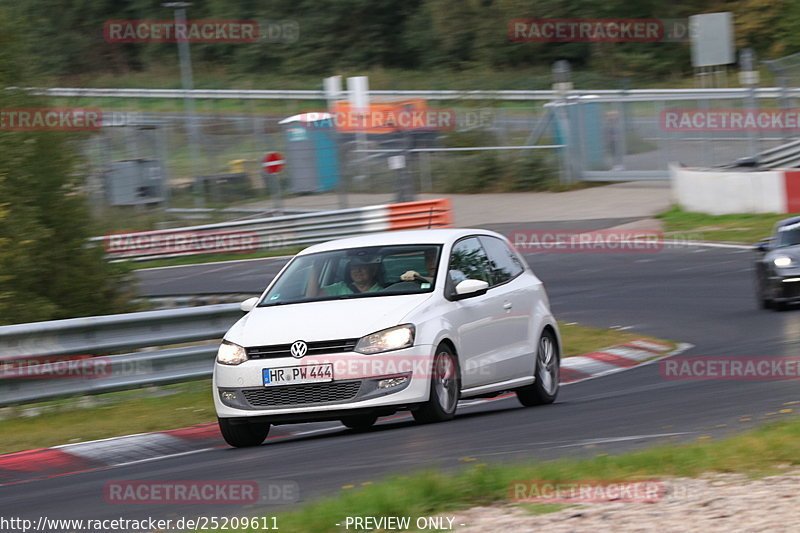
x=782 y=261
x=231 y=354
x=386 y=340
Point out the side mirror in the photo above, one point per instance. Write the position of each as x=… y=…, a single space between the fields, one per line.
x=248 y=304
x=763 y=245
x=469 y=288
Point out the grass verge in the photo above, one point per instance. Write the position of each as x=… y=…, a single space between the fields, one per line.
x=744 y=228
x=211 y=258
x=106 y=415
x=578 y=339
x=426 y=493
x=173 y=406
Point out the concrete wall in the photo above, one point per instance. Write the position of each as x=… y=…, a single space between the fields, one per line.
x=727 y=192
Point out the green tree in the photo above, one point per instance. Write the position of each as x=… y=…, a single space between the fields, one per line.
x=47 y=270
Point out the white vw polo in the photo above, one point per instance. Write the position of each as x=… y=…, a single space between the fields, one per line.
x=359 y=328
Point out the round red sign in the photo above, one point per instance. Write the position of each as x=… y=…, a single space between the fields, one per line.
x=273 y=163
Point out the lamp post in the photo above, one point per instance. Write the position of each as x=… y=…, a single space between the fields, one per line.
x=748 y=76
x=562 y=85
x=188 y=100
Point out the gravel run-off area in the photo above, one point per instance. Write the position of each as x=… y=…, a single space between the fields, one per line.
x=724 y=503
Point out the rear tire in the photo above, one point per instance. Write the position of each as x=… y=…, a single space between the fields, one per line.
x=445 y=388
x=359 y=422
x=548 y=364
x=242 y=435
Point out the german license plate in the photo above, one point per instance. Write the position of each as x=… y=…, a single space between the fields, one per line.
x=296 y=375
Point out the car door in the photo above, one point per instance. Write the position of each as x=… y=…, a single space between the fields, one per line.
x=517 y=296
x=477 y=320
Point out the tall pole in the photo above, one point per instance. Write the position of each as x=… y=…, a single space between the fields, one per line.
x=188 y=100
x=562 y=85
x=748 y=76
x=333 y=92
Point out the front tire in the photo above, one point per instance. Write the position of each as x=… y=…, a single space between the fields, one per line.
x=242 y=435
x=445 y=388
x=764 y=302
x=548 y=361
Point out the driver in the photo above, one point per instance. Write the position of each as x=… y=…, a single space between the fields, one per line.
x=430 y=268
x=363 y=272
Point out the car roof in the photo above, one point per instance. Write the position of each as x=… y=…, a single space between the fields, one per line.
x=787 y=222
x=388 y=238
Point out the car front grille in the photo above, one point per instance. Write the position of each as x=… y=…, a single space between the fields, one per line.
x=791 y=290
x=309 y=393
x=314 y=348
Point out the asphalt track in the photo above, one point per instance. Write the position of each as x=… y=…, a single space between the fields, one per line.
x=699 y=295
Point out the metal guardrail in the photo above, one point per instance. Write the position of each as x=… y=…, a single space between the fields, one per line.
x=37 y=360
x=275 y=232
x=783 y=156
x=81 y=355
x=598 y=95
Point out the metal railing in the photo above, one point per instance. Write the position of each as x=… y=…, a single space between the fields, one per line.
x=282 y=94
x=783 y=156
x=276 y=232
x=58 y=358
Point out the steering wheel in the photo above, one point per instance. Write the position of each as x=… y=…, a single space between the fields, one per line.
x=417 y=279
x=402 y=284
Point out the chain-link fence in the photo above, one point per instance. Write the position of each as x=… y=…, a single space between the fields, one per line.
x=481 y=148
x=489 y=145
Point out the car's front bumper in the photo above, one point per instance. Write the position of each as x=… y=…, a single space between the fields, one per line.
x=361 y=383
x=785 y=288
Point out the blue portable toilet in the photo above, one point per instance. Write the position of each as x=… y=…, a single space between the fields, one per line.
x=312 y=158
x=586 y=133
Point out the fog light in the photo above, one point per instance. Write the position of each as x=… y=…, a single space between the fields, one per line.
x=391 y=382
x=228 y=396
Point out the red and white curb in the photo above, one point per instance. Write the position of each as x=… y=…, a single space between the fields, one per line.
x=68 y=459
x=116 y=451
x=615 y=359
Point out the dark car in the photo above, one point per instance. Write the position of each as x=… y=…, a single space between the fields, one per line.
x=778 y=266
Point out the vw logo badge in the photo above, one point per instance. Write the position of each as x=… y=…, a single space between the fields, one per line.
x=298 y=349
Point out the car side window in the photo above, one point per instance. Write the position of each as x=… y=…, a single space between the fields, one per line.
x=788 y=235
x=468 y=260
x=504 y=262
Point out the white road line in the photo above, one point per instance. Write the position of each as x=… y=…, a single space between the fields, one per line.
x=150 y=459
x=620 y=439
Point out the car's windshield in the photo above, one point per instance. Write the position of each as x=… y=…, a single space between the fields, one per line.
x=788 y=235
x=356 y=273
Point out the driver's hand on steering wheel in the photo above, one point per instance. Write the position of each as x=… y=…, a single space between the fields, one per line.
x=410 y=275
